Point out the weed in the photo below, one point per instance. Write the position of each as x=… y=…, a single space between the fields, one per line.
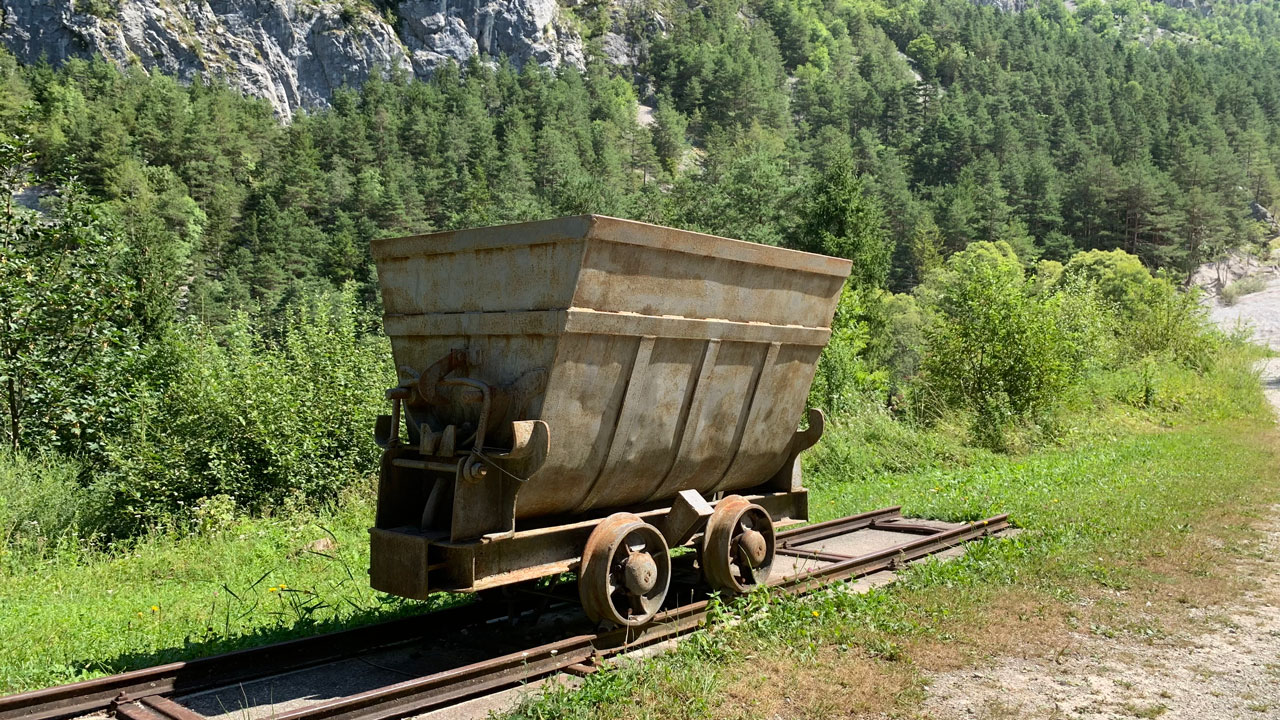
x=1244 y=286
x=1145 y=711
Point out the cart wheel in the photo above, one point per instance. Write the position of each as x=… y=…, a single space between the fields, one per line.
x=738 y=546
x=625 y=571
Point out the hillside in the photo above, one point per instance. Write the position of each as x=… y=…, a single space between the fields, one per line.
x=192 y=354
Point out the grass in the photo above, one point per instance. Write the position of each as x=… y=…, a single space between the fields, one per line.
x=65 y=615
x=1101 y=520
x=1124 y=502
x=1133 y=518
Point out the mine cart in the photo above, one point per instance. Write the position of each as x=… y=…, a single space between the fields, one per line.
x=583 y=394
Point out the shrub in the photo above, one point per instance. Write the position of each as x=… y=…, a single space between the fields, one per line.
x=1117 y=276
x=895 y=344
x=843 y=376
x=1152 y=317
x=996 y=347
x=1169 y=323
x=1244 y=286
x=251 y=421
x=67 y=347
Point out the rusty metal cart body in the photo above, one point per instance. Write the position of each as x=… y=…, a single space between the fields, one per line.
x=584 y=393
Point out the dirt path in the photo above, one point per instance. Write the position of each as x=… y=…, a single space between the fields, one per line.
x=1223 y=663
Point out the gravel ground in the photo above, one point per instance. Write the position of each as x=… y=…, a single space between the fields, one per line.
x=1230 y=671
x=1259 y=312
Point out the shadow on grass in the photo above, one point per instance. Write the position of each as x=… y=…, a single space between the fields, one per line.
x=302 y=628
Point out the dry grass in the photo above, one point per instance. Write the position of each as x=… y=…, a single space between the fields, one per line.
x=833 y=684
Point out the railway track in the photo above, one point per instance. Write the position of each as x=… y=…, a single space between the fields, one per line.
x=808 y=558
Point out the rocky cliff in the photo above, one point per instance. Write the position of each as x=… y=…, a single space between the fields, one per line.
x=294 y=53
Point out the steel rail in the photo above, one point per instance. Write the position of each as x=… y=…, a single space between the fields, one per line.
x=433 y=691
x=840 y=526
x=139 y=694
x=65 y=701
x=892 y=556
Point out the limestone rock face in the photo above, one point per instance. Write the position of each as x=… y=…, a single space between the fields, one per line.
x=1003 y=5
x=522 y=30
x=294 y=53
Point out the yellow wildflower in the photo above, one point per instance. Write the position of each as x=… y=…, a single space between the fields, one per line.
x=815 y=613
x=272 y=589
x=155 y=608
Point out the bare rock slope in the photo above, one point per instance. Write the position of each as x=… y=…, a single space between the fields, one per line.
x=294 y=53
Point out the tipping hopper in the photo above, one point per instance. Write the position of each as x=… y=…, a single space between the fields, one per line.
x=553 y=371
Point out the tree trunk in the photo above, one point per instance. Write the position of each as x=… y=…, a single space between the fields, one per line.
x=14 y=426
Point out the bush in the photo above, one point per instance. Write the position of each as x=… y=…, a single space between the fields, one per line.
x=1168 y=323
x=67 y=348
x=1115 y=275
x=997 y=347
x=1244 y=286
x=895 y=345
x=844 y=377
x=1152 y=317
x=250 y=421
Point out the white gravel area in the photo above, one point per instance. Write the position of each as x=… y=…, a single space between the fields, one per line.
x=1259 y=312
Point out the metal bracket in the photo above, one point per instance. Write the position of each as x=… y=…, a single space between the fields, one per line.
x=489 y=506
x=688 y=516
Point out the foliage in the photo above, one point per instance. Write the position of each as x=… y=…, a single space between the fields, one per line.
x=1153 y=318
x=65 y=303
x=209 y=223
x=1170 y=323
x=843 y=377
x=188 y=333
x=41 y=502
x=1086 y=135
x=841 y=220
x=995 y=347
x=1117 y=276
x=1239 y=288
x=260 y=422
x=900 y=334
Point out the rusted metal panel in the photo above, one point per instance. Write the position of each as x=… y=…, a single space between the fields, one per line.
x=675 y=360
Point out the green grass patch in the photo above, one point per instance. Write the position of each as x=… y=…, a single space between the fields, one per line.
x=69 y=614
